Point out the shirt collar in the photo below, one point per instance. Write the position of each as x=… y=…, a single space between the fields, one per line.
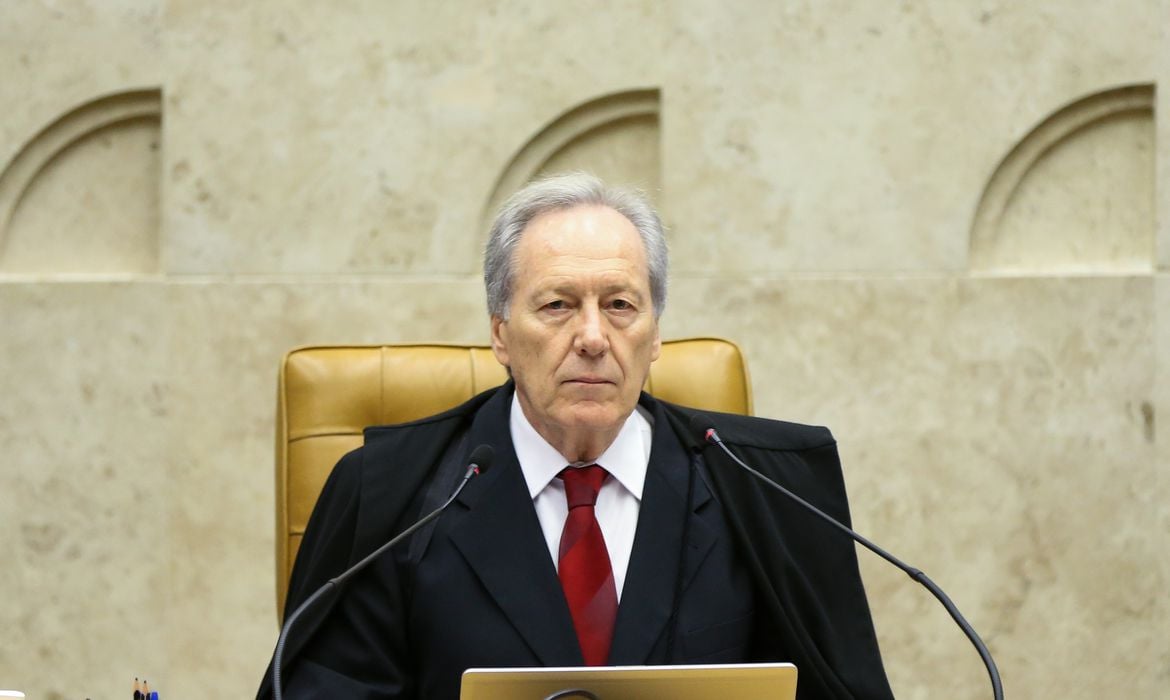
x=626 y=459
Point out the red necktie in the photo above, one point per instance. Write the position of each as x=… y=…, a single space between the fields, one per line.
x=584 y=568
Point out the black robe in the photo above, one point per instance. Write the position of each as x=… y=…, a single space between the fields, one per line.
x=810 y=603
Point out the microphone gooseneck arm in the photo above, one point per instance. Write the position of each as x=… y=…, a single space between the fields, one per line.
x=481 y=459
x=709 y=435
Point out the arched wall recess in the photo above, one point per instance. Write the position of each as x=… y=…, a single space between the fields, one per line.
x=118 y=120
x=628 y=118
x=1076 y=194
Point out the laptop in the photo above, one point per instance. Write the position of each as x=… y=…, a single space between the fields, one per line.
x=774 y=681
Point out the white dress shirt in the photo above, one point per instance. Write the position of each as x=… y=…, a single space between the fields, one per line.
x=617 y=503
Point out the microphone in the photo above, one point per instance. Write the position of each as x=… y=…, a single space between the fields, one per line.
x=703 y=427
x=479 y=462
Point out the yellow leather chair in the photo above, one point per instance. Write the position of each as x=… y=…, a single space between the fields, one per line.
x=328 y=394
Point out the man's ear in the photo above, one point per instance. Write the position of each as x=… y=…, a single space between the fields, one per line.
x=499 y=340
x=656 y=349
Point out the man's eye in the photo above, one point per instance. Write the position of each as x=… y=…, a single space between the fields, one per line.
x=621 y=305
x=556 y=305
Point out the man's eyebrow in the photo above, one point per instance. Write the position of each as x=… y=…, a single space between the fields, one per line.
x=606 y=290
x=561 y=289
x=622 y=289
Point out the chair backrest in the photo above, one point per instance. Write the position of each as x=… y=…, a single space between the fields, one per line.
x=328 y=394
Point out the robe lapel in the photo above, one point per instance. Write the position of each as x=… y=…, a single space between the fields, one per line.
x=648 y=593
x=500 y=538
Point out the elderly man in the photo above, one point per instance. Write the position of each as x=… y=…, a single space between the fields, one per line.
x=605 y=533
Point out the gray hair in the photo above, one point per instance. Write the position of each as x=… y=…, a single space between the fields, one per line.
x=563 y=192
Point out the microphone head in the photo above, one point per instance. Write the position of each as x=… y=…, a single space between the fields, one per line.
x=702 y=428
x=482 y=458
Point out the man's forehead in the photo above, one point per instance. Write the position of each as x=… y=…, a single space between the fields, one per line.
x=585 y=230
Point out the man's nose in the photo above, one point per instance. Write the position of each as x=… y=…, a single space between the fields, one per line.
x=592 y=338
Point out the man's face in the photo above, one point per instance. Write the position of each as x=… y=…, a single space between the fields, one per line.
x=581 y=332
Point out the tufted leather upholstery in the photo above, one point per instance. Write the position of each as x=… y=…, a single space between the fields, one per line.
x=327 y=395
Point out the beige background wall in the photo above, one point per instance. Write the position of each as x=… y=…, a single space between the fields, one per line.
x=938 y=227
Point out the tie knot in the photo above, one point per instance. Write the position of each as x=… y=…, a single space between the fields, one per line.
x=582 y=484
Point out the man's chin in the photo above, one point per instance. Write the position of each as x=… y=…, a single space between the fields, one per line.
x=594 y=415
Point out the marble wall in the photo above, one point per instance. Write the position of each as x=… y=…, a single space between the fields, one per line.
x=939 y=228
